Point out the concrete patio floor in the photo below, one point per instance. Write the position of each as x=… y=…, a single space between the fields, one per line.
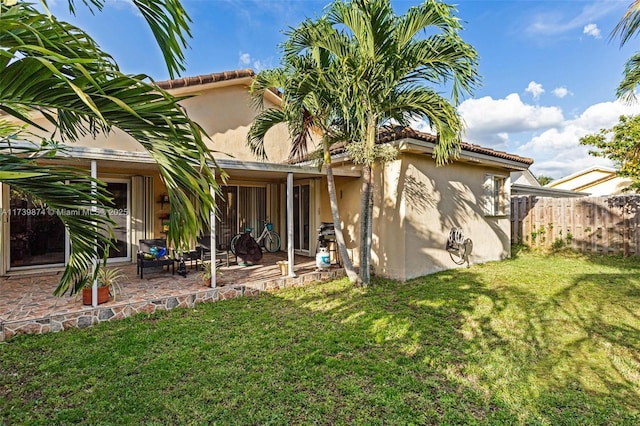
x=27 y=304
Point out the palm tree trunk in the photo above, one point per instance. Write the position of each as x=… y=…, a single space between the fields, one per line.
x=365 y=245
x=370 y=221
x=337 y=226
x=366 y=203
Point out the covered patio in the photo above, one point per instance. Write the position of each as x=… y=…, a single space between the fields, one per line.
x=28 y=306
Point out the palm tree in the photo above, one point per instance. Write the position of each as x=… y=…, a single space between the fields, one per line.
x=388 y=65
x=306 y=108
x=626 y=29
x=55 y=69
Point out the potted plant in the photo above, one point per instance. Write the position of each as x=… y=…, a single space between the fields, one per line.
x=206 y=273
x=108 y=284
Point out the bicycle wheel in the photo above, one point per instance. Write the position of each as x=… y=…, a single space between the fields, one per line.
x=232 y=244
x=271 y=242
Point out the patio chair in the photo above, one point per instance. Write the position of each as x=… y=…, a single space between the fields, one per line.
x=223 y=256
x=151 y=247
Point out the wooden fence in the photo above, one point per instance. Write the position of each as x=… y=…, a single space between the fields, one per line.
x=608 y=225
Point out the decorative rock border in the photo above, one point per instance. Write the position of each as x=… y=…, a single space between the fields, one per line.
x=87 y=317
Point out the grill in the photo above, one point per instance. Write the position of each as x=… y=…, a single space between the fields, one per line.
x=327 y=239
x=326 y=233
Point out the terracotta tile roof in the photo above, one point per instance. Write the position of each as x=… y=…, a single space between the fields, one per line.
x=205 y=79
x=390 y=134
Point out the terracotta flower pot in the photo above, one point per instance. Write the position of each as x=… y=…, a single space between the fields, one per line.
x=103 y=295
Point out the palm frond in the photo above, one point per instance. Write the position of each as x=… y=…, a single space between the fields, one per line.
x=628 y=26
x=264 y=122
x=56 y=69
x=167 y=20
x=627 y=88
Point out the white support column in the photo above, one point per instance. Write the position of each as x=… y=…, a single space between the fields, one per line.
x=94 y=209
x=290 y=255
x=212 y=237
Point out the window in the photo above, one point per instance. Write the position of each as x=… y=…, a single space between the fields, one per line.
x=495 y=195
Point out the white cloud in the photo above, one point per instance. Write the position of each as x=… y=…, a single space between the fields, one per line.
x=490 y=121
x=260 y=65
x=558 y=152
x=535 y=89
x=244 y=58
x=124 y=5
x=541 y=133
x=592 y=30
x=555 y=23
x=561 y=92
x=419 y=125
x=567 y=163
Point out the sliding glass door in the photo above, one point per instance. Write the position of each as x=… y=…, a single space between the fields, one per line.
x=119 y=213
x=301 y=219
x=240 y=207
x=36 y=235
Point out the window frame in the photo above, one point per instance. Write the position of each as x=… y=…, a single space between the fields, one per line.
x=496 y=203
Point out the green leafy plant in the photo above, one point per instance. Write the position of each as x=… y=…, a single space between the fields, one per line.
x=111 y=278
x=569 y=237
x=207 y=271
x=558 y=244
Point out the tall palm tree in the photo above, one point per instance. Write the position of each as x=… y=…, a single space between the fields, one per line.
x=55 y=69
x=390 y=65
x=626 y=29
x=307 y=109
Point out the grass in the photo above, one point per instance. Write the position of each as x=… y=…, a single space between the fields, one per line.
x=536 y=339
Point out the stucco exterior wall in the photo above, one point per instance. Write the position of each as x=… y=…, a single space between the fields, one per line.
x=415 y=206
x=348 y=195
x=613 y=186
x=225 y=113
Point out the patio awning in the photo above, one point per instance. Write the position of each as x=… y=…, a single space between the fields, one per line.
x=234 y=168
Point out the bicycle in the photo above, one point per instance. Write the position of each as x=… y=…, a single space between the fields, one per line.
x=269 y=239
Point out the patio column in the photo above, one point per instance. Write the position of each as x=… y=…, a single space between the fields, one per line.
x=94 y=210
x=212 y=236
x=290 y=254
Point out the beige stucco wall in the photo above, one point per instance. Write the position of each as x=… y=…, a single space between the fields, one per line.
x=348 y=195
x=614 y=186
x=415 y=206
x=225 y=113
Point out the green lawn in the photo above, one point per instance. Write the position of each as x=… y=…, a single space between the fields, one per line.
x=534 y=340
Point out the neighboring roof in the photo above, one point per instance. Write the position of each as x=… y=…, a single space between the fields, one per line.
x=597 y=180
x=541 y=191
x=390 y=134
x=205 y=79
x=604 y=169
x=524 y=177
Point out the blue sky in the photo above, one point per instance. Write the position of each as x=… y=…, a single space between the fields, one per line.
x=549 y=71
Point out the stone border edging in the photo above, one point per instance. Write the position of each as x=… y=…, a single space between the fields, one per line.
x=88 y=317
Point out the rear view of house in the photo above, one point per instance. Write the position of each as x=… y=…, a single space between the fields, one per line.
x=416 y=203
